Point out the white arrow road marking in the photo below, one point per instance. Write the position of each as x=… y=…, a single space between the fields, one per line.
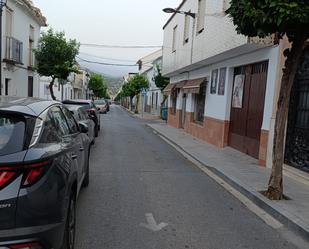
x=152 y=224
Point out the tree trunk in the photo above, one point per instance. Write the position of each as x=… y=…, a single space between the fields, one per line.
x=131 y=103
x=164 y=99
x=137 y=103
x=275 y=185
x=51 y=89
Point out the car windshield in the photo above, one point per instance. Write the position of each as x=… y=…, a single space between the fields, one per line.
x=100 y=102
x=12 y=132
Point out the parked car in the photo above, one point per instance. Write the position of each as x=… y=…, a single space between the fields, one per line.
x=91 y=109
x=44 y=162
x=81 y=115
x=102 y=106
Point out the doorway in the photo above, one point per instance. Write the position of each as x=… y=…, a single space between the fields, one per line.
x=247 y=109
x=183 y=112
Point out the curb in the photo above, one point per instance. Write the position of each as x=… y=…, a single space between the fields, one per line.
x=255 y=197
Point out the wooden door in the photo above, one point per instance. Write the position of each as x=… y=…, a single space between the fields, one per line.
x=246 y=121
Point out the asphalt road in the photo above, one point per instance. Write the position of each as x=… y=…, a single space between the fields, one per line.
x=134 y=173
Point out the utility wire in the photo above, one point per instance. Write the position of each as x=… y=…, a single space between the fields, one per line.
x=105 y=58
x=107 y=64
x=116 y=46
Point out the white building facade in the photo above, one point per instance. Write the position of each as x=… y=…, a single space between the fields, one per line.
x=222 y=83
x=21 y=25
x=148 y=66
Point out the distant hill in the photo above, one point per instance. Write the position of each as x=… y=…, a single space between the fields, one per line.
x=113 y=84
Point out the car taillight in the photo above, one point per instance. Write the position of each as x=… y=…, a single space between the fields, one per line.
x=91 y=111
x=6 y=177
x=32 y=173
x=25 y=246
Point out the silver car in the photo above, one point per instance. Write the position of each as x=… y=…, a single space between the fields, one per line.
x=81 y=115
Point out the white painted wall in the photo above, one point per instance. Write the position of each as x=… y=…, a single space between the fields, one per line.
x=22 y=19
x=219 y=107
x=45 y=94
x=219 y=35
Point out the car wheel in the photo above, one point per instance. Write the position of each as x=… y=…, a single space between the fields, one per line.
x=86 y=179
x=70 y=228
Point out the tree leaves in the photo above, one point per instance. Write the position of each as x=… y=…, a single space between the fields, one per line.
x=98 y=85
x=55 y=56
x=265 y=17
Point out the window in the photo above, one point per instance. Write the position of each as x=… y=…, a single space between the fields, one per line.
x=8 y=22
x=186 y=29
x=50 y=132
x=152 y=98
x=157 y=100
x=60 y=121
x=12 y=132
x=200 y=104
x=6 y=90
x=71 y=121
x=30 y=86
x=174 y=45
x=201 y=16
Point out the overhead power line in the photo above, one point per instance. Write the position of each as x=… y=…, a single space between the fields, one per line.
x=105 y=58
x=117 y=46
x=107 y=64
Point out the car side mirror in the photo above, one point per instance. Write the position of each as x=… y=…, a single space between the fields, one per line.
x=83 y=127
x=98 y=108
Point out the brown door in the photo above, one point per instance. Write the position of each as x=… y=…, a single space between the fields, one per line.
x=247 y=119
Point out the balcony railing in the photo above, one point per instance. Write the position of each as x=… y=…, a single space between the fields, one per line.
x=13 y=51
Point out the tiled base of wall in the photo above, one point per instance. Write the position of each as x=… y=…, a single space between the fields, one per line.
x=174 y=119
x=212 y=130
x=263 y=147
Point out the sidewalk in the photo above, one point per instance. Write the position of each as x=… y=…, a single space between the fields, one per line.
x=144 y=116
x=244 y=174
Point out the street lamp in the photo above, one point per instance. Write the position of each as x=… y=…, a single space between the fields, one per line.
x=171 y=10
x=2 y=5
x=186 y=13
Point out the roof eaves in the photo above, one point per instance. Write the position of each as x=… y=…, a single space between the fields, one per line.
x=35 y=12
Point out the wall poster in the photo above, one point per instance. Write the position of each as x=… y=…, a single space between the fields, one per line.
x=222 y=77
x=214 y=80
x=238 y=91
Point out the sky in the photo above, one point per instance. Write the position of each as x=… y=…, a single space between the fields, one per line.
x=109 y=22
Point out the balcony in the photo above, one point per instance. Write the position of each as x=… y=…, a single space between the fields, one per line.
x=13 y=51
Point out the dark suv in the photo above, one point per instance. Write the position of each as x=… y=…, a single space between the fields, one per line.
x=91 y=108
x=44 y=162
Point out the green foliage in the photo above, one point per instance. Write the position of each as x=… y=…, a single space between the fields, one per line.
x=135 y=86
x=98 y=85
x=265 y=17
x=127 y=91
x=160 y=81
x=138 y=82
x=55 y=56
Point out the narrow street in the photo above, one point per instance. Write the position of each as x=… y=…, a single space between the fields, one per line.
x=136 y=177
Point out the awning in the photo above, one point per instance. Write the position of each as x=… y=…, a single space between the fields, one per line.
x=193 y=86
x=168 y=89
x=180 y=84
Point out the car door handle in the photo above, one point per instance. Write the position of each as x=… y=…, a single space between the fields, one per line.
x=73 y=156
x=81 y=149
